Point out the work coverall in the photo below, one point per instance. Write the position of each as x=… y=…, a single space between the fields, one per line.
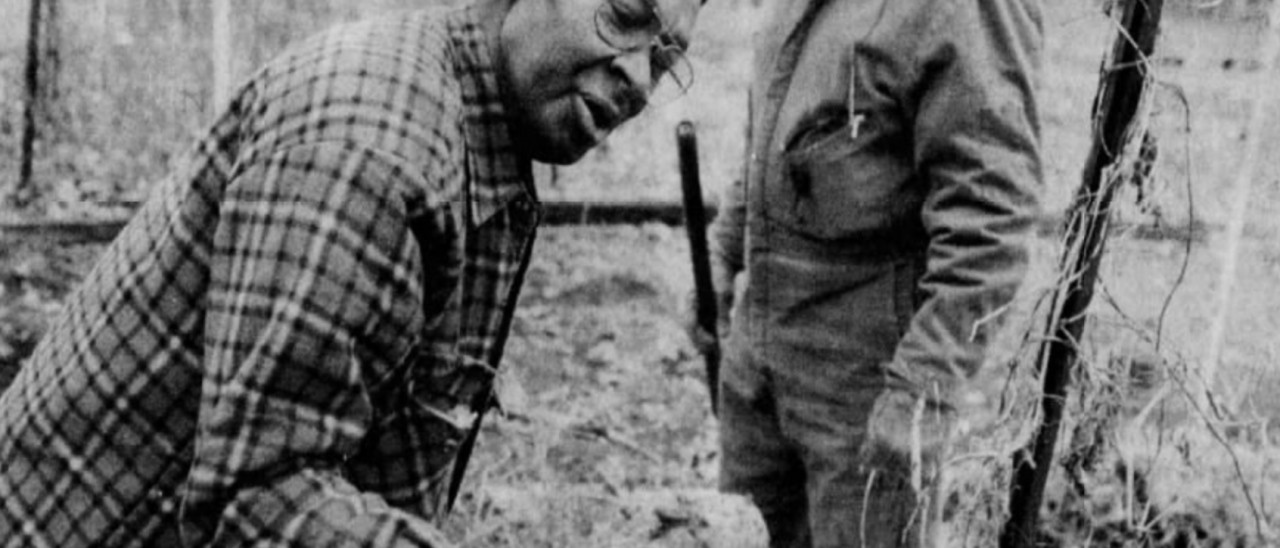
x=891 y=182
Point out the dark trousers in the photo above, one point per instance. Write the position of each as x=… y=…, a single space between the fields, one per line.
x=792 y=445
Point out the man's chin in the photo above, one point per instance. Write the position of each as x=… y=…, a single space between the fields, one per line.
x=561 y=151
x=560 y=134
x=559 y=157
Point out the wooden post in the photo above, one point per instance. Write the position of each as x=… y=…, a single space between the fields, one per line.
x=221 y=54
x=1119 y=97
x=22 y=193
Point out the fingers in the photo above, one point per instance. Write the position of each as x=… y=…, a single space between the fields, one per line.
x=905 y=434
x=702 y=339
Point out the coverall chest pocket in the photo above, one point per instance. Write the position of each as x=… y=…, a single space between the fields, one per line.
x=834 y=187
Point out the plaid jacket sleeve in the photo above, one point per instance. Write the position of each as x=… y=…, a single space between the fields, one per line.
x=314 y=283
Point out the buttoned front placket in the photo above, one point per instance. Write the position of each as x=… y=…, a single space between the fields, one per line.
x=777 y=57
x=513 y=225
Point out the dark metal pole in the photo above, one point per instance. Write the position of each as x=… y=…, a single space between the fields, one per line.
x=696 y=226
x=1119 y=95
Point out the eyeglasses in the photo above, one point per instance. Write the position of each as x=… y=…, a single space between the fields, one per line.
x=631 y=25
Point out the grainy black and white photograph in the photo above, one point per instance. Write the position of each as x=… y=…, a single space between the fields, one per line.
x=639 y=273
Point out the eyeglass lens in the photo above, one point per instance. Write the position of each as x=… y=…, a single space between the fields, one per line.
x=632 y=24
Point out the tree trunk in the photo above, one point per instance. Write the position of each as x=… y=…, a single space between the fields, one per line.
x=221 y=55
x=105 y=42
x=23 y=193
x=1241 y=191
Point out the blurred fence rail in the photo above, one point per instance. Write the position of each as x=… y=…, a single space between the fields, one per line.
x=570 y=213
x=1223 y=10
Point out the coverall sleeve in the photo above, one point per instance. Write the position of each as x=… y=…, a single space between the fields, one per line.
x=314 y=279
x=976 y=145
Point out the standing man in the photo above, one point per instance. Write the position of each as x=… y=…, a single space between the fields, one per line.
x=891 y=183
x=288 y=343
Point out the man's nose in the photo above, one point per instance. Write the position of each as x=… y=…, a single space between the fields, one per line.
x=634 y=68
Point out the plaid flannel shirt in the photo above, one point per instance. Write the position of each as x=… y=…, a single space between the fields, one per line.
x=285 y=344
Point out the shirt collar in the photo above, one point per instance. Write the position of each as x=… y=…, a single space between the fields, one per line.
x=498 y=173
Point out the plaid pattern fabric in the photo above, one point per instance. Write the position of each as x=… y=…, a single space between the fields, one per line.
x=285 y=344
